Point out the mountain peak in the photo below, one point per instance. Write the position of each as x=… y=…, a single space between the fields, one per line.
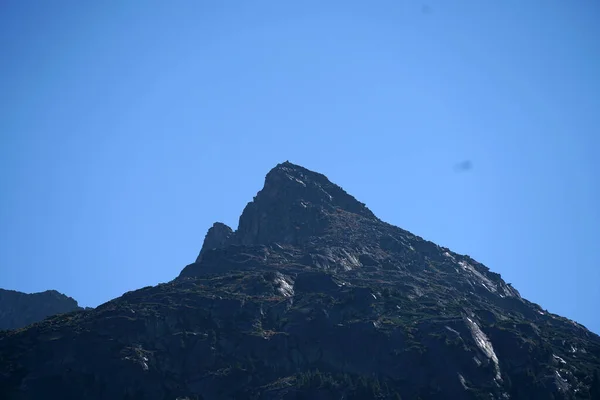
x=291 y=182
x=309 y=274
x=294 y=204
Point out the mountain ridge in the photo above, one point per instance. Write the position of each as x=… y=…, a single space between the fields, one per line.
x=315 y=297
x=19 y=309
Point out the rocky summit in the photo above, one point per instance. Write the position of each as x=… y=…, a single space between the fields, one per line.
x=312 y=297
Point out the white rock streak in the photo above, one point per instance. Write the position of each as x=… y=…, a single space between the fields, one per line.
x=483 y=280
x=284 y=287
x=484 y=343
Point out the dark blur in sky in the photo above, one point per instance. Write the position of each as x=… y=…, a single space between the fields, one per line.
x=127 y=128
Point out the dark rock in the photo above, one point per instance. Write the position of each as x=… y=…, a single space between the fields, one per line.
x=315 y=282
x=18 y=309
x=293 y=205
x=312 y=297
x=367 y=260
x=216 y=237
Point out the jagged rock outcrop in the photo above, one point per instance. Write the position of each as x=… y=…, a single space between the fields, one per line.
x=312 y=297
x=18 y=309
x=217 y=237
x=294 y=205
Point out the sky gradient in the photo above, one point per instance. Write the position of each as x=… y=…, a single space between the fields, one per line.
x=127 y=128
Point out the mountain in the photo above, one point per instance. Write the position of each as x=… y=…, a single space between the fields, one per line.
x=18 y=309
x=312 y=297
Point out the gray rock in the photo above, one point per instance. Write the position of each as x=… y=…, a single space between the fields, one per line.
x=216 y=237
x=18 y=309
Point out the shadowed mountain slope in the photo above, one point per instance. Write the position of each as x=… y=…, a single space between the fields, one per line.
x=18 y=309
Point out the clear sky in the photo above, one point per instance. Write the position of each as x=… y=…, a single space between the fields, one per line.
x=128 y=127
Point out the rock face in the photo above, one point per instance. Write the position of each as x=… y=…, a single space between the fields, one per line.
x=294 y=205
x=18 y=309
x=216 y=238
x=313 y=297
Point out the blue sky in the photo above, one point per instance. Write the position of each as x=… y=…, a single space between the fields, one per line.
x=127 y=128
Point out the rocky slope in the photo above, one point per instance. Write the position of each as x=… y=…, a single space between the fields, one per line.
x=18 y=309
x=312 y=297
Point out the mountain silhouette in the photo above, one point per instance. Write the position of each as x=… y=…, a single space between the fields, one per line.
x=311 y=297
